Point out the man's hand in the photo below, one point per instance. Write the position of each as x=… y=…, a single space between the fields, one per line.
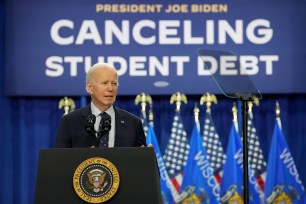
x=150 y=145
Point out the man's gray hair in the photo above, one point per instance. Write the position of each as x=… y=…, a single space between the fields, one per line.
x=96 y=66
x=99 y=66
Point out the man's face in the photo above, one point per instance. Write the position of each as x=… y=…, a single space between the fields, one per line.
x=103 y=88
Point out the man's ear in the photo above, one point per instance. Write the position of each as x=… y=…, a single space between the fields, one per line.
x=89 y=87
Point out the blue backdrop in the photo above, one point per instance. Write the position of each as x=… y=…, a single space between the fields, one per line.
x=49 y=48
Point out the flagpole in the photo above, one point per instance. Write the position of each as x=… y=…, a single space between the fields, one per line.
x=245 y=98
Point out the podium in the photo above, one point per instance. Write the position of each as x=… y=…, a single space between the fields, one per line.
x=134 y=172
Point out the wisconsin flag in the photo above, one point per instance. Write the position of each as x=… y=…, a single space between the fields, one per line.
x=168 y=191
x=283 y=183
x=231 y=190
x=199 y=183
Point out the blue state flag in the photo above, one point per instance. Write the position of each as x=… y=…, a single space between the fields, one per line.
x=199 y=184
x=165 y=182
x=231 y=190
x=283 y=183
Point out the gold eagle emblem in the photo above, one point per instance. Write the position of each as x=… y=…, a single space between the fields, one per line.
x=96 y=179
x=67 y=103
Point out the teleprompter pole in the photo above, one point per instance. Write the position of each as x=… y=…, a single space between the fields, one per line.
x=245 y=98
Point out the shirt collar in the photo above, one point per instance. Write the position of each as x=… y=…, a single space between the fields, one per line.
x=96 y=111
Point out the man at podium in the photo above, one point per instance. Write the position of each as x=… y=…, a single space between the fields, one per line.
x=100 y=123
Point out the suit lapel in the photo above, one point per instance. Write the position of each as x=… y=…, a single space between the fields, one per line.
x=86 y=111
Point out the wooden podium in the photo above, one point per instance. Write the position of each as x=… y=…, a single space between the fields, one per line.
x=60 y=169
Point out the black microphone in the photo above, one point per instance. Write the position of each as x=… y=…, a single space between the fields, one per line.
x=106 y=123
x=90 y=124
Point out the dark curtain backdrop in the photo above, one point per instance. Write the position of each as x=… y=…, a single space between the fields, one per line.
x=30 y=123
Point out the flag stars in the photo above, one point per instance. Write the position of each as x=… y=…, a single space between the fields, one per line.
x=213 y=146
x=179 y=145
x=255 y=152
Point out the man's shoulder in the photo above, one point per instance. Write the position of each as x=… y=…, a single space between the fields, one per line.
x=78 y=112
x=125 y=113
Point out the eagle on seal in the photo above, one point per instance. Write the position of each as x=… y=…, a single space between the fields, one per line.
x=96 y=179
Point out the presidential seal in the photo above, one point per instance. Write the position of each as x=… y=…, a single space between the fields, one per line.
x=96 y=180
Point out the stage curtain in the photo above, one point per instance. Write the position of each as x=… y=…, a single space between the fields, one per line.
x=30 y=124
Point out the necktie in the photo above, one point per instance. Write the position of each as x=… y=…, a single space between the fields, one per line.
x=104 y=135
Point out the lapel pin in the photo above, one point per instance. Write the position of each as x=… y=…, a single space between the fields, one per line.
x=122 y=121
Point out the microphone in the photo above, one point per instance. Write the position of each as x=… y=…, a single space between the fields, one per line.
x=106 y=123
x=90 y=124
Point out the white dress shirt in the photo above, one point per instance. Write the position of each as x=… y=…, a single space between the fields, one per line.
x=111 y=112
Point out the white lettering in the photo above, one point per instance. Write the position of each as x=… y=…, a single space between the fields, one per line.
x=207 y=65
x=88 y=31
x=123 y=35
x=207 y=173
x=137 y=32
x=55 y=29
x=236 y=35
x=230 y=66
x=188 y=39
x=288 y=161
x=164 y=32
x=264 y=34
x=168 y=29
x=269 y=59
x=179 y=60
x=54 y=67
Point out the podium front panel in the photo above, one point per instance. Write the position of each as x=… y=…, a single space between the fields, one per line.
x=137 y=167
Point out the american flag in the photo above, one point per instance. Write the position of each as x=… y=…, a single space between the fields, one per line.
x=176 y=152
x=256 y=158
x=213 y=147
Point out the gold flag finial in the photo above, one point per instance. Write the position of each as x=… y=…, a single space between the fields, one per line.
x=235 y=112
x=277 y=109
x=196 y=112
x=235 y=116
x=151 y=115
x=250 y=104
x=143 y=99
x=178 y=98
x=208 y=99
x=66 y=103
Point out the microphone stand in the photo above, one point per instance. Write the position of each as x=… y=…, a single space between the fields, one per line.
x=96 y=135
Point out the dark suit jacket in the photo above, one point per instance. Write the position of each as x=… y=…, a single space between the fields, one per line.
x=71 y=133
